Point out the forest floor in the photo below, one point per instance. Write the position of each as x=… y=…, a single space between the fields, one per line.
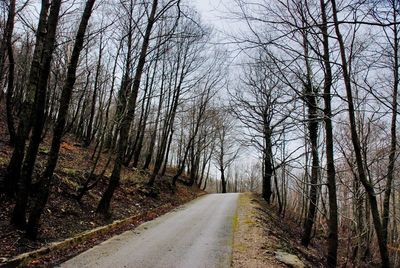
x=65 y=217
x=263 y=239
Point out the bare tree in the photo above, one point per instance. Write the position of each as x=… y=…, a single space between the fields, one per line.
x=226 y=149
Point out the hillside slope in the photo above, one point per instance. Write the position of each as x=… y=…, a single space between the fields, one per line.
x=65 y=217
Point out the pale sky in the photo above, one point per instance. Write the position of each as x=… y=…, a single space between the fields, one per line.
x=205 y=7
x=212 y=11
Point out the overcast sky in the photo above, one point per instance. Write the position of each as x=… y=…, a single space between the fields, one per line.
x=206 y=7
x=212 y=11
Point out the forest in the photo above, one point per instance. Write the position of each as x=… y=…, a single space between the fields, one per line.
x=294 y=99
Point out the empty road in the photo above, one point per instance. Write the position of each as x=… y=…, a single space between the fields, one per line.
x=198 y=234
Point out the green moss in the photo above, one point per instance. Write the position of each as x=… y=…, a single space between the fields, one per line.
x=3 y=161
x=240 y=247
x=71 y=184
x=249 y=221
x=235 y=222
x=244 y=200
x=43 y=150
x=70 y=171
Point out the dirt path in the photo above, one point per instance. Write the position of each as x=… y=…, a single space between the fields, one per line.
x=198 y=234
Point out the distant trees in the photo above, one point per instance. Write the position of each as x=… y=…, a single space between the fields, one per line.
x=200 y=112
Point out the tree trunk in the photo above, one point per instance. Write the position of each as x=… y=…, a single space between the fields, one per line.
x=267 y=167
x=153 y=137
x=25 y=123
x=331 y=177
x=38 y=116
x=393 y=129
x=310 y=97
x=7 y=46
x=45 y=183
x=357 y=147
x=89 y=134
x=105 y=201
x=223 y=180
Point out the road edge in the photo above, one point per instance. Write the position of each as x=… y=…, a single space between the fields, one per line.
x=28 y=258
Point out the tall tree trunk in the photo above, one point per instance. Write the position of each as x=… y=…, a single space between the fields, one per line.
x=312 y=103
x=393 y=129
x=167 y=131
x=170 y=118
x=223 y=180
x=37 y=117
x=167 y=153
x=45 y=182
x=105 y=201
x=146 y=111
x=369 y=188
x=7 y=46
x=6 y=39
x=25 y=122
x=150 y=151
x=89 y=134
x=267 y=165
x=331 y=176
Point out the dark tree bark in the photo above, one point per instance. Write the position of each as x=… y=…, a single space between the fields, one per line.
x=310 y=98
x=330 y=160
x=7 y=46
x=6 y=38
x=45 y=182
x=37 y=117
x=89 y=132
x=153 y=137
x=223 y=180
x=267 y=164
x=25 y=122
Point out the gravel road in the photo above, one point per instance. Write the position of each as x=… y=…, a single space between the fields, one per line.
x=198 y=234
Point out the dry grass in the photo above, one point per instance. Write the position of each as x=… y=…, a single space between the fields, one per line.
x=251 y=248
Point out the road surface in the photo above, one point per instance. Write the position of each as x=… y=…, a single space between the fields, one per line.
x=198 y=234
